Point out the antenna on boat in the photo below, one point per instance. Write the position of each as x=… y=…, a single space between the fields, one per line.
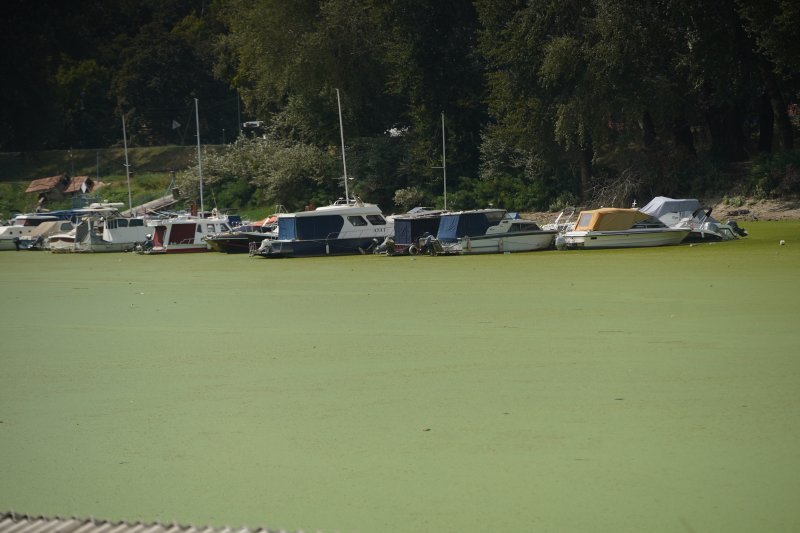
x=444 y=163
x=127 y=166
x=199 y=160
x=341 y=134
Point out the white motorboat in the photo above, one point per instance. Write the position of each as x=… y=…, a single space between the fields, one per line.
x=342 y=228
x=618 y=228
x=101 y=228
x=182 y=234
x=688 y=213
x=29 y=230
x=511 y=234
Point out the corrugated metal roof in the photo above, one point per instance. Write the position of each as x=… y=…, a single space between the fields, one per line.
x=18 y=523
x=44 y=184
x=76 y=182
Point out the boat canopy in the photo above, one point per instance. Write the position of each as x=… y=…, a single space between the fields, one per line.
x=661 y=205
x=452 y=226
x=292 y=228
x=408 y=230
x=609 y=219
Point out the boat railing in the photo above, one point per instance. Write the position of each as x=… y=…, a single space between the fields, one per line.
x=565 y=220
x=353 y=200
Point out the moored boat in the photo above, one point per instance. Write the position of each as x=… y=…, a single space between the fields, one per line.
x=689 y=213
x=618 y=228
x=342 y=228
x=241 y=239
x=455 y=226
x=29 y=230
x=182 y=234
x=101 y=228
x=410 y=227
x=510 y=234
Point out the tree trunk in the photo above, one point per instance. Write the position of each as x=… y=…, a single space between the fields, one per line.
x=779 y=108
x=727 y=136
x=585 y=155
x=648 y=130
x=682 y=133
x=766 y=124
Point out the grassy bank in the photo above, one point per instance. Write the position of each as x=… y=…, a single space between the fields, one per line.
x=102 y=163
x=151 y=170
x=620 y=390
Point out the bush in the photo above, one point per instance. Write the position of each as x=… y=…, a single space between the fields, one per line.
x=775 y=174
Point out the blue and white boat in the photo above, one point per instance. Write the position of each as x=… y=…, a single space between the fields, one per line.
x=410 y=227
x=485 y=231
x=342 y=228
x=510 y=234
x=346 y=227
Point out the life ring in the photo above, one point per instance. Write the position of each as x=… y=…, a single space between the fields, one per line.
x=413 y=250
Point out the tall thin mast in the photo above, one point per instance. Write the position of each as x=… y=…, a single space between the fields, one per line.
x=199 y=160
x=444 y=163
x=127 y=166
x=341 y=133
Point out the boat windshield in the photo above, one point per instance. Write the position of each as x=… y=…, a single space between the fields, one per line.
x=357 y=220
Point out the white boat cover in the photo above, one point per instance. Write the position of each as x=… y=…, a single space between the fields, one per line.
x=661 y=205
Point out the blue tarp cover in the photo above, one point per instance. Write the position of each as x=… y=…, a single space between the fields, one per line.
x=455 y=225
x=409 y=230
x=309 y=228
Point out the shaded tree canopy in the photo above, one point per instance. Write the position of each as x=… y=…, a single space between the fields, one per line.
x=544 y=101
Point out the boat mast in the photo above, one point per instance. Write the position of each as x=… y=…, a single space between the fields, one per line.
x=127 y=166
x=341 y=134
x=444 y=163
x=199 y=160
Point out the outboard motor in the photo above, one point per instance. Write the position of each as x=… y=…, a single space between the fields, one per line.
x=146 y=245
x=266 y=246
x=741 y=232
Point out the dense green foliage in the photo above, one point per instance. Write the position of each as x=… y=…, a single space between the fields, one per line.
x=545 y=102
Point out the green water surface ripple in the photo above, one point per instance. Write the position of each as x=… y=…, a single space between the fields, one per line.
x=610 y=390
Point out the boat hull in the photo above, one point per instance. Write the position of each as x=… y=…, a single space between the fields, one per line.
x=507 y=242
x=318 y=248
x=106 y=247
x=178 y=249
x=634 y=238
x=235 y=244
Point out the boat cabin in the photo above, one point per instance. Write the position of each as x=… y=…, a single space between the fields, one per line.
x=409 y=228
x=452 y=226
x=311 y=225
x=609 y=219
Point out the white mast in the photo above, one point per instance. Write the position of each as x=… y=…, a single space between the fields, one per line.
x=444 y=163
x=199 y=160
x=127 y=166
x=344 y=162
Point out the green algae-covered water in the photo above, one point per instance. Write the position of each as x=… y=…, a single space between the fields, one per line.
x=619 y=390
